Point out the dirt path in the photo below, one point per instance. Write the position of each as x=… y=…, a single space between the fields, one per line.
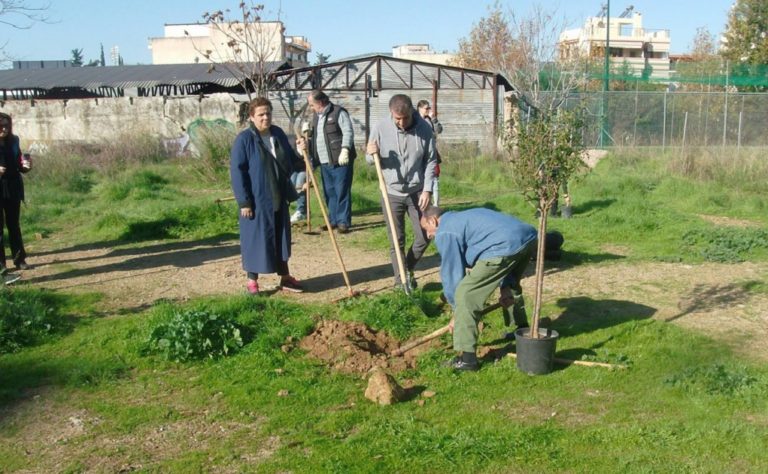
x=711 y=298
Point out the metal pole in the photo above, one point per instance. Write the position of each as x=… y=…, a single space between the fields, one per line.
x=606 y=70
x=685 y=128
x=634 y=126
x=367 y=107
x=725 y=109
x=664 y=124
x=738 y=146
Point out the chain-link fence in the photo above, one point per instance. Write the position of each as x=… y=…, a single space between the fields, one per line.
x=674 y=119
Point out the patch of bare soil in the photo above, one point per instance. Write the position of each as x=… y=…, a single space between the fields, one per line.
x=354 y=348
x=715 y=299
x=728 y=221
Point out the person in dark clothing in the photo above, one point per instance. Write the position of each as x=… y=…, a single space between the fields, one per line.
x=497 y=247
x=425 y=110
x=332 y=147
x=12 y=164
x=261 y=164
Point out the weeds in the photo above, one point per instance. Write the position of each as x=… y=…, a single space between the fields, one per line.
x=194 y=335
x=26 y=318
x=212 y=141
x=715 y=379
x=725 y=245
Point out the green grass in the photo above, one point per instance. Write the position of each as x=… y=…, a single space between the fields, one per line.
x=684 y=404
x=681 y=399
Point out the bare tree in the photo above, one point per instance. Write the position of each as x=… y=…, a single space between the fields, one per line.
x=703 y=45
x=21 y=15
x=525 y=50
x=243 y=45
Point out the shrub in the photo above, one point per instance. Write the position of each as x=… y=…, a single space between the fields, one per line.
x=191 y=335
x=25 y=319
x=725 y=245
x=212 y=141
x=713 y=380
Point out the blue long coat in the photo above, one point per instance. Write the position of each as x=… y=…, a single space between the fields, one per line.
x=250 y=185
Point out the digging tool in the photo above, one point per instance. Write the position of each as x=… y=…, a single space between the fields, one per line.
x=230 y=198
x=435 y=334
x=395 y=241
x=587 y=363
x=313 y=184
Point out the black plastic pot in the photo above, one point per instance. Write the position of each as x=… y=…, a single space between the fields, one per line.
x=536 y=356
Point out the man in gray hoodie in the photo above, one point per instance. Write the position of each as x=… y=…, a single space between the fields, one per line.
x=406 y=144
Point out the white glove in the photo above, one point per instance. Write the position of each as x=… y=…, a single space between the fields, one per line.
x=344 y=157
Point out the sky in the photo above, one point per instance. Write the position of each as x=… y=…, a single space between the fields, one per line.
x=340 y=28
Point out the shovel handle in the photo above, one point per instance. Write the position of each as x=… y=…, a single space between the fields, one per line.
x=435 y=334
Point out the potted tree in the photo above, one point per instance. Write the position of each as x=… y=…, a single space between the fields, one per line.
x=545 y=153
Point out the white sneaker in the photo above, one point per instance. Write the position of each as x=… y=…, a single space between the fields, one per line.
x=10 y=278
x=297 y=216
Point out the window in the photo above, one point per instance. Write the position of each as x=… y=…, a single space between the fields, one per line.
x=625 y=29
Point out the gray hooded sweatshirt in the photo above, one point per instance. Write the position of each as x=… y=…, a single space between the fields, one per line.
x=408 y=157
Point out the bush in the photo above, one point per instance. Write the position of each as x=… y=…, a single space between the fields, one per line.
x=191 y=335
x=725 y=245
x=25 y=319
x=212 y=141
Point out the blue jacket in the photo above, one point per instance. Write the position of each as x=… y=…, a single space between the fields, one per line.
x=464 y=237
x=252 y=189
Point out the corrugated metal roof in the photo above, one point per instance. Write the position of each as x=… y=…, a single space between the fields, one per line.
x=121 y=77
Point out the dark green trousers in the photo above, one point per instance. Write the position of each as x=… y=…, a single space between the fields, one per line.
x=475 y=288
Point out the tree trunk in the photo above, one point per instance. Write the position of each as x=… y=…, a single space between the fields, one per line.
x=539 y=278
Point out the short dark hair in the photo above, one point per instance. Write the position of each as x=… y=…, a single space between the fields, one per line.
x=4 y=116
x=401 y=104
x=422 y=103
x=320 y=96
x=258 y=102
x=432 y=211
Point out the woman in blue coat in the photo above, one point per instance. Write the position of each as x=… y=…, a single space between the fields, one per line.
x=261 y=164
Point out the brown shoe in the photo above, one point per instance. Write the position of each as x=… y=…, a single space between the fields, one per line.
x=289 y=283
x=343 y=229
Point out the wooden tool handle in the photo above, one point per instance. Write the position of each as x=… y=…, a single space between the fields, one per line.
x=435 y=334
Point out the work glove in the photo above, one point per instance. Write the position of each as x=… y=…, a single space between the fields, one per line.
x=344 y=157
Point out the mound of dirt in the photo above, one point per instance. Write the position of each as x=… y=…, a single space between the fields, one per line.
x=354 y=348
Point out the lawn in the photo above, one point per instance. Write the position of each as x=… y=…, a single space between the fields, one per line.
x=84 y=390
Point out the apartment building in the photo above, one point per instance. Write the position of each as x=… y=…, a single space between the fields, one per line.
x=629 y=41
x=189 y=43
x=421 y=52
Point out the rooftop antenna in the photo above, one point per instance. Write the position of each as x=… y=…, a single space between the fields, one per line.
x=603 y=10
x=627 y=12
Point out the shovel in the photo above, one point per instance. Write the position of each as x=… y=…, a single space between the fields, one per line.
x=313 y=184
x=434 y=335
x=393 y=233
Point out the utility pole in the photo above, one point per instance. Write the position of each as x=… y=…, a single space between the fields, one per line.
x=606 y=82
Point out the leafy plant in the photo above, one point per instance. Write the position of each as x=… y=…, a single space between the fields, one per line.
x=713 y=380
x=725 y=245
x=191 y=335
x=25 y=319
x=544 y=155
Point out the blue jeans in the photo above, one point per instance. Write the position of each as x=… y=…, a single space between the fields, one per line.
x=298 y=179
x=337 y=187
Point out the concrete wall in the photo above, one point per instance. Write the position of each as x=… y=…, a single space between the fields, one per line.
x=466 y=115
x=94 y=120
